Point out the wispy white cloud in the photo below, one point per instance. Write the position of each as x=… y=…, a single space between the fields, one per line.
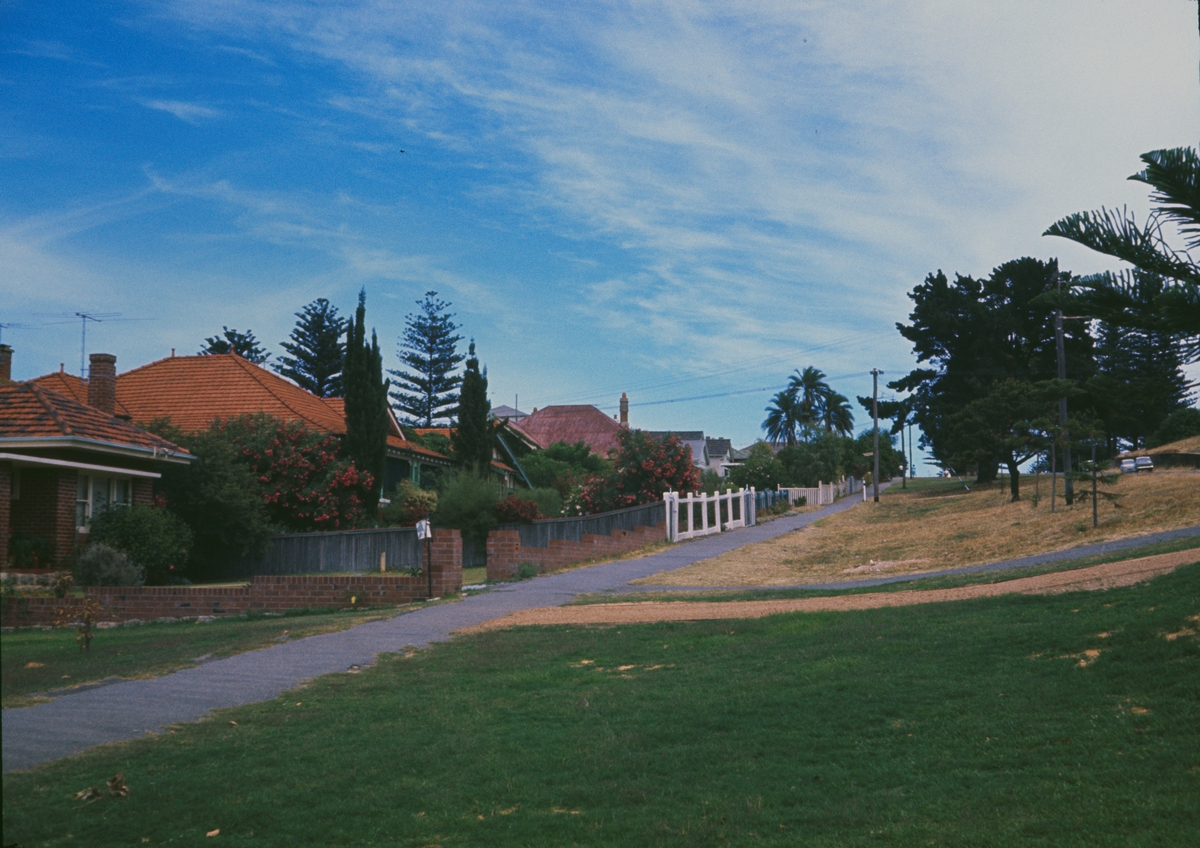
x=192 y=113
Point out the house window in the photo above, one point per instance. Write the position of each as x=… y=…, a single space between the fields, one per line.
x=95 y=494
x=16 y=484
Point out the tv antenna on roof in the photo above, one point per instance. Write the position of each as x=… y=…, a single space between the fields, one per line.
x=84 y=317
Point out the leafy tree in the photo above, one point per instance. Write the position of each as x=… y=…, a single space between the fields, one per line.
x=316 y=350
x=429 y=347
x=1122 y=299
x=820 y=460
x=1002 y=424
x=761 y=469
x=972 y=333
x=1181 y=424
x=302 y=480
x=231 y=341
x=1140 y=382
x=645 y=466
x=218 y=497
x=563 y=467
x=835 y=415
x=472 y=438
x=154 y=539
x=408 y=504
x=807 y=406
x=366 y=406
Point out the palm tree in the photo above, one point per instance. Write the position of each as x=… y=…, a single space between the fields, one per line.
x=809 y=389
x=836 y=415
x=782 y=418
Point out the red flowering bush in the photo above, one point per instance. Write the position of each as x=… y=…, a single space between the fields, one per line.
x=515 y=510
x=644 y=468
x=304 y=483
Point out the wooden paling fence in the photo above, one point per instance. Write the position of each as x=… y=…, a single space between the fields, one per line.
x=822 y=494
x=704 y=514
x=338 y=551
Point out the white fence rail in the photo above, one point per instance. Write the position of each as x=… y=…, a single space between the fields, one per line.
x=822 y=494
x=704 y=514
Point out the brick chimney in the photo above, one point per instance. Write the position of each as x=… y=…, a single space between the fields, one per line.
x=5 y=363
x=624 y=410
x=102 y=382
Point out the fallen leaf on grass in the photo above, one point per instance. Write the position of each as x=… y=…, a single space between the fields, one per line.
x=625 y=667
x=233 y=724
x=1139 y=710
x=216 y=832
x=89 y=794
x=34 y=664
x=117 y=787
x=563 y=810
x=509 y=811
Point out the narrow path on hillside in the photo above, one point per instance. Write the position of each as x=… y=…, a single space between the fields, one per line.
x=1105 y=576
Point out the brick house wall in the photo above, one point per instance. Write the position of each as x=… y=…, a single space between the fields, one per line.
x=5 y=510
x=269 y=593
x=46 y=507
x=505 y=553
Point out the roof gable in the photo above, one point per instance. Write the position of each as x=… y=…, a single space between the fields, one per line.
x=71 y=386
x=34 y=413
x=572 y=424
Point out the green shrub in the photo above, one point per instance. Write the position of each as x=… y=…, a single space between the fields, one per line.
x=154 y=539
x=528 y=570
x=467 y=502
x=517 y=510
x=408 y=505
x=549 y=501
x=711 y=481
x=761 y=470
x=102 y=565
x=26 y=551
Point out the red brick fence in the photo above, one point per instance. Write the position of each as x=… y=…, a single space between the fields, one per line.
x=267 y=593
x=505 y=553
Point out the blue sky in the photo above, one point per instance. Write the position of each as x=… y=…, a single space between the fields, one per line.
x=672 y=199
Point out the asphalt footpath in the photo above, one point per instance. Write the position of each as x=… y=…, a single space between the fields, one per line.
x=129 y=709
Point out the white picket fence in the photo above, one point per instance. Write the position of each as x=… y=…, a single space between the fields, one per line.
x=824 y=493
x=731 y=510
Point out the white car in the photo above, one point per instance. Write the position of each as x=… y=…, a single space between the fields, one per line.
x=1128 y=466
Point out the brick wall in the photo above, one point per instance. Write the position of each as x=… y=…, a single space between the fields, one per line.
x=143 y=491
x=47 y=508
x=273 y=593
x=505 y=553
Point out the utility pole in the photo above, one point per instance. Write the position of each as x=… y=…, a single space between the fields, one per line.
x=875 y=372
x=1068 y=486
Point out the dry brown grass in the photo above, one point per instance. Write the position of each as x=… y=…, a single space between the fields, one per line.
x=938 y=525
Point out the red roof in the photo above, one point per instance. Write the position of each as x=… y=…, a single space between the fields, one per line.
x=33 y=412
x=71 y=386
x=572 y=424
x=193 y=391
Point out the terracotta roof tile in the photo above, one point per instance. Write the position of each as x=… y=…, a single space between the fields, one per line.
x=71 y=386
x=33 y=411
x=193 y=391
x=572 y=424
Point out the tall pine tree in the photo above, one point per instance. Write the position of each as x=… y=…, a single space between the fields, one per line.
x=366 y=404
x=316 y=350
x=429 y=347
x=231 y=341
x=472 y=438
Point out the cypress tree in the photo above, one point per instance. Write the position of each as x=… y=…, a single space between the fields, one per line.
x=316 y=350
x=429 y=347
x=472 y=438
x=366 y=404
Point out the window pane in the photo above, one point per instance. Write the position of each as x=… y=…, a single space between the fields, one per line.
x=82 y=491
x=100 y=494
x=121 y=492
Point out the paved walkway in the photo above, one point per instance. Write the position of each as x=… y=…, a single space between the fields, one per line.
x=130 y=709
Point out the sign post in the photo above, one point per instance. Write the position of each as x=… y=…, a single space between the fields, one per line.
x=425 y=534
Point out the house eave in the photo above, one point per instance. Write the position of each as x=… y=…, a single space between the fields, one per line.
x=26 y=461
x=95 y=446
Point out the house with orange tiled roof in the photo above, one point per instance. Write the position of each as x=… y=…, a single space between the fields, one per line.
x=194 y=391
x=508 y=446
x=62 y=460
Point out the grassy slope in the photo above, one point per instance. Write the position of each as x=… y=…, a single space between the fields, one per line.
x=947 y=582
x=147 y=650
x=937 y=524
x=967 y=723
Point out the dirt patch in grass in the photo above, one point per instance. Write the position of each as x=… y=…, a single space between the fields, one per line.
x=1106 y=576
x=937 y=524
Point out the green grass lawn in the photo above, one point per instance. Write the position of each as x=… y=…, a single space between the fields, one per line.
x=34 y=661
x=968 y=723
x=947 y=582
